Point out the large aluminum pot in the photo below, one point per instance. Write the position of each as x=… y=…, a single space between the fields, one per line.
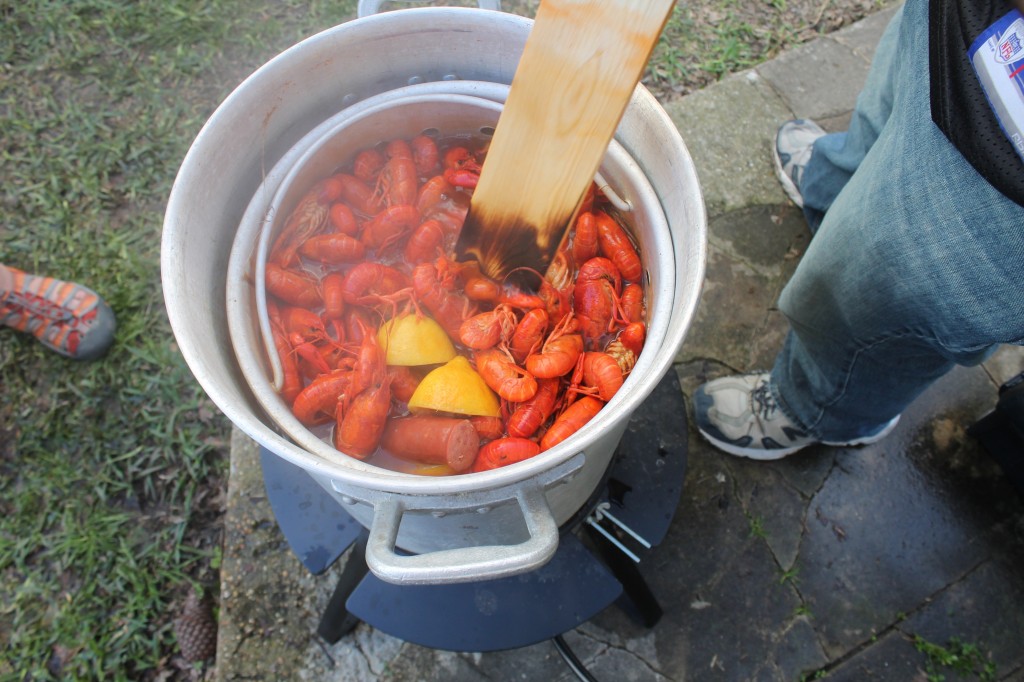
x=462 y=528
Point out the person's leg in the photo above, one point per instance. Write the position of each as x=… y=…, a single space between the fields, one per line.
x=66 y=317
x=915 y=268
x=835 y=156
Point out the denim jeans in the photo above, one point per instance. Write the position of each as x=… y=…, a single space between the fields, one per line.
x=917 y=265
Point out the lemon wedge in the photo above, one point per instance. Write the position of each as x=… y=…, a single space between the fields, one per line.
x=413 y=340
x=456 y=388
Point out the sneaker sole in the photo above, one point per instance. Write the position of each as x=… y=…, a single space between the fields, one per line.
x=770 y=455
x=750 y=453
x=867 y=440
x=787 y=183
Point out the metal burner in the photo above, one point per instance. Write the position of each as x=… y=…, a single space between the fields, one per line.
x=628 y=516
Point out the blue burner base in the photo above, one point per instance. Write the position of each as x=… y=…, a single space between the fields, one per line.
x=642 y=491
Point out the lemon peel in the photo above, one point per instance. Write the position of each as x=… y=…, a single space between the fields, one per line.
x=455 y=387
x=413 y=340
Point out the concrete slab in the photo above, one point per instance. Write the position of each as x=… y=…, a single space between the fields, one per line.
x=727 y=129
x=819 y=80
x=862 y=38
x=751 y=254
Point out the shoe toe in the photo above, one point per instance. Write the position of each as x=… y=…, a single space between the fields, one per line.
x=720 y=412
x=100 y=335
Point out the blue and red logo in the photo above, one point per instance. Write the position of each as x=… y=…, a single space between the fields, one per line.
x=1009 y=47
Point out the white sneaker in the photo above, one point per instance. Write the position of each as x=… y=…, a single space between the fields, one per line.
x=739 y=415
x=793 y=146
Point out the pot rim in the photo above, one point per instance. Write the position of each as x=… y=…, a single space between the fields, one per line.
x=310 y=151
x=276 y=72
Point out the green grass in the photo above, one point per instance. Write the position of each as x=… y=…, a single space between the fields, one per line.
x=693 y=51
x=965 y=660
x=704 y=40
x=110 y=471
x=108 y=468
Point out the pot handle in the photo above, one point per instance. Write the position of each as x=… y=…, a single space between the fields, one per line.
x=464 y=564
x=368 y=7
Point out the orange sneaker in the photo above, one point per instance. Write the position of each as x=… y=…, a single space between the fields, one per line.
x=66 y=317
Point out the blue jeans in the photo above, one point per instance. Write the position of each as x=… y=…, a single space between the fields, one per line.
x=917 y=265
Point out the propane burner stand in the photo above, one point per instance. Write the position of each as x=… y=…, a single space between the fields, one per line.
x=595 y=564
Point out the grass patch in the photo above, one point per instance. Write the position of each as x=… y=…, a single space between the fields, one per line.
x=962 y=658
x=704 y=40
x=110 y=471
x=757 y=529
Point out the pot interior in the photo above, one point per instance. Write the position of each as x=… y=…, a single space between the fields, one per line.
x=333 y=145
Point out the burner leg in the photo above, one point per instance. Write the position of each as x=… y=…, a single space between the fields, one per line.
x=336 y=621
x=570 y=659
x=646 y=608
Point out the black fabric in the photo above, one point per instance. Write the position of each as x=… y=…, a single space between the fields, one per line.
x=1001 y=432
x=959 y=107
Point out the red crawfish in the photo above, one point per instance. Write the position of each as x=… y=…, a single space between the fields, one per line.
x=425 y=243
x=368 y=163
x=458 y=158
x=557 y=288
x=370 y=283
x=584 y=242
x=307 y=219
x=333 y=295
x=432 y=193
x=632 y=301
x=318 y=402
x=530 y=415
x=616 y=246
x=488 y=428
x=571 y=420
x=390 y=225
x=624 y=357
x=434 y=288
x=425 y=154
x=295 y=287
x=342 y=219
x=528 y=334
x=504 y=451
x=487 y=329
x=403 y=382
x=627 y=345
x=361 y=424
x=500 y=372
x=633 y=335
x=335 y=248
x=397 y=182
x=560 y=351
x=595 y=298
x=484 y=289
x=358 y=195
x=601 y=373
x=398 y=149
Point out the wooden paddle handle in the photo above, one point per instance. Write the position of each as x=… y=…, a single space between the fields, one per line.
x=579 y=68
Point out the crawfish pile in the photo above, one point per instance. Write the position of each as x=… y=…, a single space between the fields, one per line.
x=373 y=242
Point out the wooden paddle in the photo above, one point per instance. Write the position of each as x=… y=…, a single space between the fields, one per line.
x=579 y=68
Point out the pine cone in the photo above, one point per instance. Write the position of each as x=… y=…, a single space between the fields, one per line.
x=196 y=630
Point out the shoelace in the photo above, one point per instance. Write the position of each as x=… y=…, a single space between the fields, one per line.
x=37 y=306
x=763 y=402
